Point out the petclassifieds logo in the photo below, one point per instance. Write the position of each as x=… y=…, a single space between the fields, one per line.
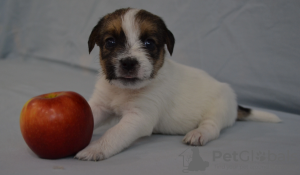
x=193 y=160
x=252 y=156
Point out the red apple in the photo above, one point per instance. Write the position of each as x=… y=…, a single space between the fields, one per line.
x=57 y=124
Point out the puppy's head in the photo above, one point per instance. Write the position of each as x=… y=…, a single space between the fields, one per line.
x=131 y=45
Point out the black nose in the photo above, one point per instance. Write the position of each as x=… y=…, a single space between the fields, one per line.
x=128 y=63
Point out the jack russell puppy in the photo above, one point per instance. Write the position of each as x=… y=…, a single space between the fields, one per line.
x=149 y=93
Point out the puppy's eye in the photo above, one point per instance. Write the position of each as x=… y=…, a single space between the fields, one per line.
x=149 y=44
x=110 y=43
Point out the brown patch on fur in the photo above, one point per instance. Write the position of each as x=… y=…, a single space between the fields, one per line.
x=108 y=26
x=243 y=113
x=158 y=63
x=153 y=27
x=147 y=26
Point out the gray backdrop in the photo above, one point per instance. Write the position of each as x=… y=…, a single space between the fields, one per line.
x=252 y=44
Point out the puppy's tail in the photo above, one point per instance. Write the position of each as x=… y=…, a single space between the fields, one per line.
x=246 y=114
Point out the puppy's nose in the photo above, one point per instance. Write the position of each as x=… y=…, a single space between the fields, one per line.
x=128 y=63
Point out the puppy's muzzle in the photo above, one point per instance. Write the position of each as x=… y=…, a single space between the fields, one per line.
x=129 y=67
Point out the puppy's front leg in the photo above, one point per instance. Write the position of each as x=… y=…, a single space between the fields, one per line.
x=101 y=114
x=132 y=126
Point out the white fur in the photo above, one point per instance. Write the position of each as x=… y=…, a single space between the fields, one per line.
x=262 y=116
x=179 y=100
x=130 y=27
x=130 y=86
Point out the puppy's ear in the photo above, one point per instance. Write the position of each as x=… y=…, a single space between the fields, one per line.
x=170 y=41
x=93 y=37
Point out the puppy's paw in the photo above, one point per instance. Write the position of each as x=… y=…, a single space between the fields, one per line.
x=93 y=152
x=195 y=138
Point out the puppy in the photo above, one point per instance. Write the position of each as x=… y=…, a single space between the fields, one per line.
x=148 y=93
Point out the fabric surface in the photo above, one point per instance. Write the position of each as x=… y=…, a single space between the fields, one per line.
x=278 y=144
x=251 y=44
